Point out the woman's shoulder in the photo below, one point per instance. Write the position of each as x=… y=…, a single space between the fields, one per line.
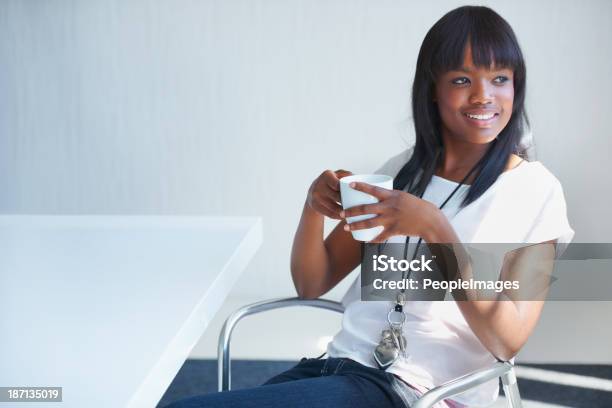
x=514 y=161
x=551 y=221
x=541 y=175
x=537 y=184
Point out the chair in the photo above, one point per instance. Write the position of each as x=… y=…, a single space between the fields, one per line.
x=505 y=370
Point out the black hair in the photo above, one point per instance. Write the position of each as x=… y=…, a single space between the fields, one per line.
x=492 y=42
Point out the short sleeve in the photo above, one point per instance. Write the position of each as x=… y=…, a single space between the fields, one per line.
x=552 y=222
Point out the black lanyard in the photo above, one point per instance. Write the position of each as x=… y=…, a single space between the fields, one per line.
x=382 y=246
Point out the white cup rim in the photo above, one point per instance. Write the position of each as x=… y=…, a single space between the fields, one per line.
x=366 y=178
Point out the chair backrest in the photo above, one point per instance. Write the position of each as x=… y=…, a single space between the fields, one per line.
x=504 y=370
x=223 y=351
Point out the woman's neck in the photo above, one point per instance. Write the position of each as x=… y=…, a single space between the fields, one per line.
x=458 y=158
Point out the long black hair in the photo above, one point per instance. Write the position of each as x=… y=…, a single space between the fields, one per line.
x=492 y=41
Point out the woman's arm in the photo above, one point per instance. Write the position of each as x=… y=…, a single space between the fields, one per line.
x=502 y=326
x=318 y=265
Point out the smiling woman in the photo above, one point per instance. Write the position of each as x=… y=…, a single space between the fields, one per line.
x=468 y=108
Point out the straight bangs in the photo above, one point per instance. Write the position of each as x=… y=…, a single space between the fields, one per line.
x=491 y=39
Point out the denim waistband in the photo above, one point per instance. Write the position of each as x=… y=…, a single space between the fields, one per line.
x=343 y=365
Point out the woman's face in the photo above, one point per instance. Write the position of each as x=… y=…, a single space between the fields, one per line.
x=475 y=103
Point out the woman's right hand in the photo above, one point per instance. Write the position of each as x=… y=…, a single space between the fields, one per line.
x=324 y=193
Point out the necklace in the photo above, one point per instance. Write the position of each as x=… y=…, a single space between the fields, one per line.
x=393 y=343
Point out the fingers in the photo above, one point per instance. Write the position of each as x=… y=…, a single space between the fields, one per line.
x=364 y=224
x=330 y=196
x=329 y=209
x=324 y=194
x=378 y=192
x=333 y=195
x=342 y=173
x=333 y=178
x=376 y=208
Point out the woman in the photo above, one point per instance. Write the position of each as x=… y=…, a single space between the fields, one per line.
x=465 y=180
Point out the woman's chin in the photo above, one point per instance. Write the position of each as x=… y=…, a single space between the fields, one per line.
x=481 y=138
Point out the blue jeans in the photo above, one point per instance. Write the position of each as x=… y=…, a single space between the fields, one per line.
x=316 y=383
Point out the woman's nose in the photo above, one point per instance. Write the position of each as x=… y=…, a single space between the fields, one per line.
x=481 y=93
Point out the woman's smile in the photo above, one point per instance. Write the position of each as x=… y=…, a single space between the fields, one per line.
x=483 y=118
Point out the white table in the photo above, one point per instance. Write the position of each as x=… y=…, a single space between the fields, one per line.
x=109 y=307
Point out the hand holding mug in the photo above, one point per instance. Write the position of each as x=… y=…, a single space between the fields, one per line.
x=324 y=193
x=395 y=213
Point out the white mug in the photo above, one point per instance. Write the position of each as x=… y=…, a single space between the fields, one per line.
x=351 y=198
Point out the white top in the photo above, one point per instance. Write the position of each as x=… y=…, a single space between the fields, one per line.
x=524 y=205
x=109 y=307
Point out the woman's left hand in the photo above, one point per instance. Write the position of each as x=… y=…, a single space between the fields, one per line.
x=400 y=213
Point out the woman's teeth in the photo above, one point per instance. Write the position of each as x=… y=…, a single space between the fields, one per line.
x=480 y=117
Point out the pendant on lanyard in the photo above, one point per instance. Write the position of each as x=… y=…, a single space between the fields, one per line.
x=393 y=344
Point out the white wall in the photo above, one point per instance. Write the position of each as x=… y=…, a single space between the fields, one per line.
x=233 y=107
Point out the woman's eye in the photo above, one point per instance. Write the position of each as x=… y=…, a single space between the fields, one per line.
x=500 y=79
x=460 y=81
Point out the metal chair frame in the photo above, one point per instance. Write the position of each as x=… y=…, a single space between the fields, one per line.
x=503 y=370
